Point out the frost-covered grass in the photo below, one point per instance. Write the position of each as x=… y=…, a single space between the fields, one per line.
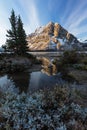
x=43 y=110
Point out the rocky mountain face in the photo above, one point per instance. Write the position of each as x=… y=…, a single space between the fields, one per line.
x=52 y=36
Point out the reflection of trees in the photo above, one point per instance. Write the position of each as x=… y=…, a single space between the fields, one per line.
x=48 y=67
x=21 y=80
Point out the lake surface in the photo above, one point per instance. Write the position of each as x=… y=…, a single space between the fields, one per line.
x=32 y=81
x=29 y=82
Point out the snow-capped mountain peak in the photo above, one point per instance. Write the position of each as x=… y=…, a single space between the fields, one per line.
x=48 y=34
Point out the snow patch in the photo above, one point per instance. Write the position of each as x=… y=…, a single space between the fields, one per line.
x=62 y=41
x=39 y=30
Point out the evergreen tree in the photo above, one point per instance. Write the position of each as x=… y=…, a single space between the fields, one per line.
x=16 y=35
x=21 y=36
x=11 y=42
x=4 y=47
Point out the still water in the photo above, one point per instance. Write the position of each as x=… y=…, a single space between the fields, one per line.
x=29 y=82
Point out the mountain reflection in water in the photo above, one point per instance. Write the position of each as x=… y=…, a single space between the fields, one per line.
x=48 y=67
x=33 y=81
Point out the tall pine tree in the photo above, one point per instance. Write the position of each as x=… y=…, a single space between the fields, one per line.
x=11 y=42
x=21 y=36
x=16 y=35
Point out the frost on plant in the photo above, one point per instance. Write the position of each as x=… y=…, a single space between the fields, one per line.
x=42 y=110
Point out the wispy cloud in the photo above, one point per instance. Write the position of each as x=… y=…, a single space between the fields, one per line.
x=31 y=11
x=70 y=13
x=75 y=22
x=27 y=9
x=4 y=23
x=75 y=13
x=67 y=10
x=75 y=18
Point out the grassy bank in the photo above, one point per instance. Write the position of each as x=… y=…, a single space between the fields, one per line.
x=10 y=63
x=71 y=64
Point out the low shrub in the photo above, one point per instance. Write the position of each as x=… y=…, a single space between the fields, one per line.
x=70 y=57
x=80 y=66
x=43 y=110
x=67 y=60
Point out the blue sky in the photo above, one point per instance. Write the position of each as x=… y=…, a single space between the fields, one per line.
x=71 y=14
